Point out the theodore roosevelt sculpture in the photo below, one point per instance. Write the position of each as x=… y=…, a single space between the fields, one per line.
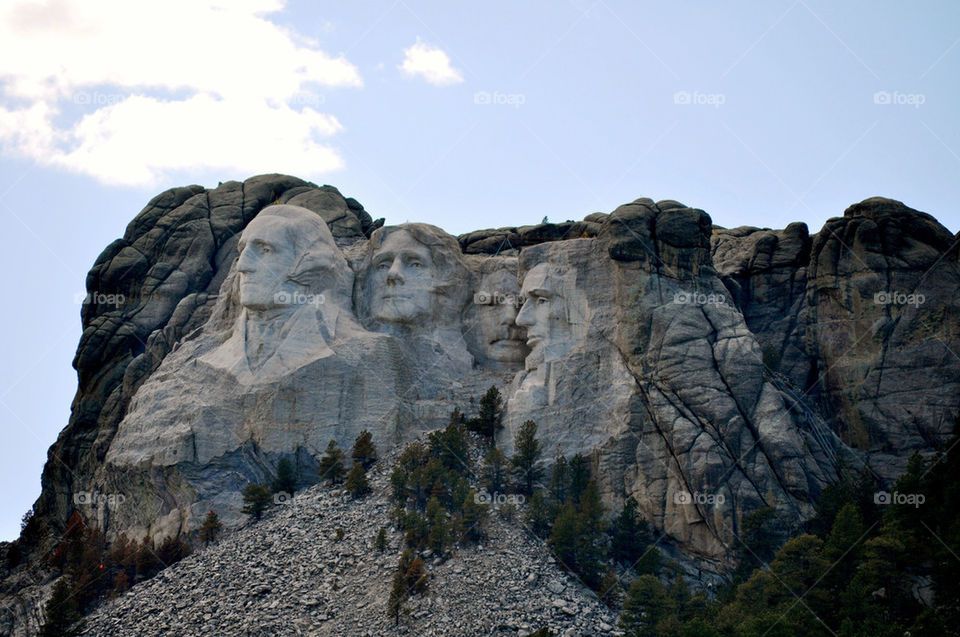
x=495 y=338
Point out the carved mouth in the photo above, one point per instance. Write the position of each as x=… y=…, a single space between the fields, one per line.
x=511 y=342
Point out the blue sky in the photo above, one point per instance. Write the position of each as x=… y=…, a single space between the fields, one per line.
x=465 y=115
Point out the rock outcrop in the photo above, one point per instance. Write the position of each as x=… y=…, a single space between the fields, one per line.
x=861 y=319
x=704 y=371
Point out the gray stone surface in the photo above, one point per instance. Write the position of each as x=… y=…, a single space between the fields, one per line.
x=861 y=319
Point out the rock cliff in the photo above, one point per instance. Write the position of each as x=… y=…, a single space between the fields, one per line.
x=706 y=372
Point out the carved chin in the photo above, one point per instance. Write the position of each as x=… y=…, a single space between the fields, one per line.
x=535 y=358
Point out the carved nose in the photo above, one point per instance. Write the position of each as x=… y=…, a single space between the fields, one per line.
x=395 y=274
x=245 y=262
x=523 y=316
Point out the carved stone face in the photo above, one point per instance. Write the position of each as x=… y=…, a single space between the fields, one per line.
x=267 y=256
x=404 y=280
x=498 y=302
x=546 y=315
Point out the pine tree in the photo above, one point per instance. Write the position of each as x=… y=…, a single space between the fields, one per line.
x=495 y=468
x=438 y=536
x=591 y=548
x=579 y=476
x=418 y=530
x=211 y=527
x=257 y=498
x=559 y=480
x=331 y=464
x=121 y=584
x=61 y=613
x=357 y=483
x=647 y=603
x=363 y=450
x=526 y=459
x=538 y=514
x=416 y=576
x=450 y=446
x=474 y=514
x=610 y=589
x=759 y=540
x=380 y=543
x=398 y=595
x=564 y=536
x=461 y=491
x=488 y=420
x=286 y=480
x=629 y=535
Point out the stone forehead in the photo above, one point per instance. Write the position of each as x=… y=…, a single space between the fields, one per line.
x=546 y=276
x=503 y=277
x=390 y=243
x=303 y=223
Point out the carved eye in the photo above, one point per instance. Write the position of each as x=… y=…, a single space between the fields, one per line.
x=542 y=300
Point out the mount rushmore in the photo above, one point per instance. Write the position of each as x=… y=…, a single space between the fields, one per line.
x=707 y=372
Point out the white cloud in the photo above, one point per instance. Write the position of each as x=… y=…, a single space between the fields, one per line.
x=164 y=86
x=430 y=62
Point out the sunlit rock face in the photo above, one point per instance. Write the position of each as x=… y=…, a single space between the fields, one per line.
x=265 y=318
x=415 y=286
x=281 y=367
